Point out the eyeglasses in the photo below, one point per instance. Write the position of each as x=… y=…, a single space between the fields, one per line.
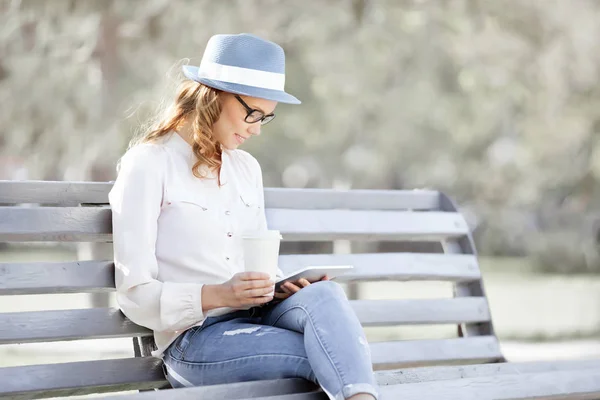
x=254 y=115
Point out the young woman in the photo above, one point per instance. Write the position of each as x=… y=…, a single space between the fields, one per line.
x=183 y=197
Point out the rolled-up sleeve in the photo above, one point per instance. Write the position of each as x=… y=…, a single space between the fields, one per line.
x=136 y=199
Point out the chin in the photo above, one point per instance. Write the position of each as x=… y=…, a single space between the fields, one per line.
x=231 y=146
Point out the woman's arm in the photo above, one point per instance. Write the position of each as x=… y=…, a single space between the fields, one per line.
x=136 y=199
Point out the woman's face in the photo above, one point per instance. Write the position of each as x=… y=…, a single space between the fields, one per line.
x=231 y=129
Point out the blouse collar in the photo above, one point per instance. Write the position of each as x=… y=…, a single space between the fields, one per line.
x=176 y=142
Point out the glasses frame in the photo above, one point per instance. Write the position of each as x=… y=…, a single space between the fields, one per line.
x=249 y=110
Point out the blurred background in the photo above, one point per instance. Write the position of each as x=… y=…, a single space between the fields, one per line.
x=496 y=103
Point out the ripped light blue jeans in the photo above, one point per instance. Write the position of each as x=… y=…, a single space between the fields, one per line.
x=313 y=334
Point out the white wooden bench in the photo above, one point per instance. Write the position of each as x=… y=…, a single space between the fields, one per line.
x=409 y=369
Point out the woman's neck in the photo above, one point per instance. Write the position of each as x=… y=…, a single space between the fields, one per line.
x=187 y=134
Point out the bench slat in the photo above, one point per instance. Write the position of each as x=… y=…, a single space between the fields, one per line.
x=401 y=354
x=80 y=378
x=385 y=378
x=95 y=323
x=94 y=224
x=72 y=193
x=418 y=375
x=57 y=277
x=324 y=225
x=580 y=384
x=436 y=311
x=55 y=325
x=555 y=386
x=318 y=199
x=98 y=276
x=146 y=373
x=51 y=192
x=64 y=224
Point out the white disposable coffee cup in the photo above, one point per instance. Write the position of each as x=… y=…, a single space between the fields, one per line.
x=261 y=252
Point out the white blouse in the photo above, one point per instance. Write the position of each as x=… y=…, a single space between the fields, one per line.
x=173 y=232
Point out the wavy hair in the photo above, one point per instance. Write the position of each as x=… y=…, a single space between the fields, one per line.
x=200 y=102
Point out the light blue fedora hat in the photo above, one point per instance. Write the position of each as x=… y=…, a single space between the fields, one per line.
x=243 y=64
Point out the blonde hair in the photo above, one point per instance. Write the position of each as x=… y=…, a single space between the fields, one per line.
x=192 y=100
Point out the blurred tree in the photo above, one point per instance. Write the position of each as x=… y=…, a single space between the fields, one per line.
x=496 y=103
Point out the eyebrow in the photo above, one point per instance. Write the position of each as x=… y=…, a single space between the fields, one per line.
x=260 y=109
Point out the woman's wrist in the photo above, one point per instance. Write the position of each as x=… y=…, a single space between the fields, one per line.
x=212 y=297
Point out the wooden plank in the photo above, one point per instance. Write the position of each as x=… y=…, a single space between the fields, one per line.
x=242 y=390
x=55 y=325
x=57 y=277
x=549 y=386
x=417 y=375
x=317 y=395
x=411 y=312
x=319 y=199
x=52 y=192
x=71 y=224
x=411 y=353
x=94 y=224
x=98 y=276
x=578 y=384
x=80 y=378
x=392 y=266
x=208 y=393
x=324 y=225
x=72 y=193
x=93 y=323
x=400 y=376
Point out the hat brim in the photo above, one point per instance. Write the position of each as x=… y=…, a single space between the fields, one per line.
x=191 y=72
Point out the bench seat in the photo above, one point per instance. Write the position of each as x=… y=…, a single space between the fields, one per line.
x=473 y=381
x=436 y=245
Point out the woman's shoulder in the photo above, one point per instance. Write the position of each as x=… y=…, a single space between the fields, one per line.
x=147 y=156
x=145 y=153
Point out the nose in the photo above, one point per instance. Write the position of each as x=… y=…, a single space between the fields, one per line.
x=254 y=129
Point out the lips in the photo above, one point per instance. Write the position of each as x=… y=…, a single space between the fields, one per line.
x=240 y=139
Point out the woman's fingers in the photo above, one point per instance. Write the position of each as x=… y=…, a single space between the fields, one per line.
x=258 y=284
x=303 y=282
x=280 y=295
x=260 y=300
x=284 y=289
x=289 y=287
x=259 y=292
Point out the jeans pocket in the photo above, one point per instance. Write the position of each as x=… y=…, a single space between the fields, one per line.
x=183 y=341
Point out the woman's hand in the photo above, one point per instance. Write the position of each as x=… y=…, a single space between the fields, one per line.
x=247 y=289
x=289 y=288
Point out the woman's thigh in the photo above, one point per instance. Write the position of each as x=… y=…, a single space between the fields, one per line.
x=234 y=351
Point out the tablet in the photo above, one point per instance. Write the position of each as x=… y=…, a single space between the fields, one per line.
x=314 y=273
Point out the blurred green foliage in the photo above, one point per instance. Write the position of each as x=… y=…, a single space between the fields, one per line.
x=495 y=102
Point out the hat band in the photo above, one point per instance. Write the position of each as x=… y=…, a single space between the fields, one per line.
x=242 y=76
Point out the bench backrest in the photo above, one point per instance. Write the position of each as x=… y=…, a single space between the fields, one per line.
x=78 y=212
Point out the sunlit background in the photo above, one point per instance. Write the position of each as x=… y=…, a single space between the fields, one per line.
x=496 y=103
